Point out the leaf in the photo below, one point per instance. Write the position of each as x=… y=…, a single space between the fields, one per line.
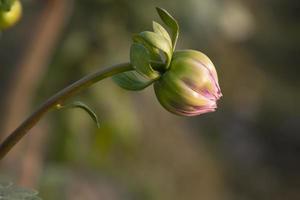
x=132 y=80
x=170 y=22
x=83 y=106
x=140 y=59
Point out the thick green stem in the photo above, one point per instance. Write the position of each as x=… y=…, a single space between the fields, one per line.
x=56 y=100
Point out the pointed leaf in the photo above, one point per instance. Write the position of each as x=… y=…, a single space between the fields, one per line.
x=132 y=80
x=170 y=22
x=83 y=106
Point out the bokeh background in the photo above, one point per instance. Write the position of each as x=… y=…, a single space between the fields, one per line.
x=248 y=149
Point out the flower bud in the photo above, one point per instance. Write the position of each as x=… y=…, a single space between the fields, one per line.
x=185 y=82
x=190 y=86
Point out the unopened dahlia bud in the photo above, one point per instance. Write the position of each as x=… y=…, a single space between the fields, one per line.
x=190 y=86
x=185 y=82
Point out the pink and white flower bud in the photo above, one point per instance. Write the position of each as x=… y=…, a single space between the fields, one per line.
x=190 y=86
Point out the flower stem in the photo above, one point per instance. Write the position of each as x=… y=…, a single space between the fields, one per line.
x=56 y=101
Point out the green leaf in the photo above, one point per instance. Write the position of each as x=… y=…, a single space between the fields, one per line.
x=140 y=59
x=11 y=192
x=132 y=80
x=162 y=31
x=170 y=22
x=83 y=106
x=159 y=42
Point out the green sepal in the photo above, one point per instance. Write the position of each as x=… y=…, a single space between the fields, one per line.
x=162 y=31
x=153 y=51
x=132 y=80
x=171 y=23
x=86 y=108
x=140 y=59
x=158 y=41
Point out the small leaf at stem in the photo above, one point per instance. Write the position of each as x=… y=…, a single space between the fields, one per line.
x=170 y=22
x=83 y=106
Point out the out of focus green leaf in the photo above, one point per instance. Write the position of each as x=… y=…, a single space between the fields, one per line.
x=10 y=192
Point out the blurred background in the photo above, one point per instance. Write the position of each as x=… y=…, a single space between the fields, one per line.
x=248 y=149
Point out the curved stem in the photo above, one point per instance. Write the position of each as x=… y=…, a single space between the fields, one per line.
x=55 y=102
